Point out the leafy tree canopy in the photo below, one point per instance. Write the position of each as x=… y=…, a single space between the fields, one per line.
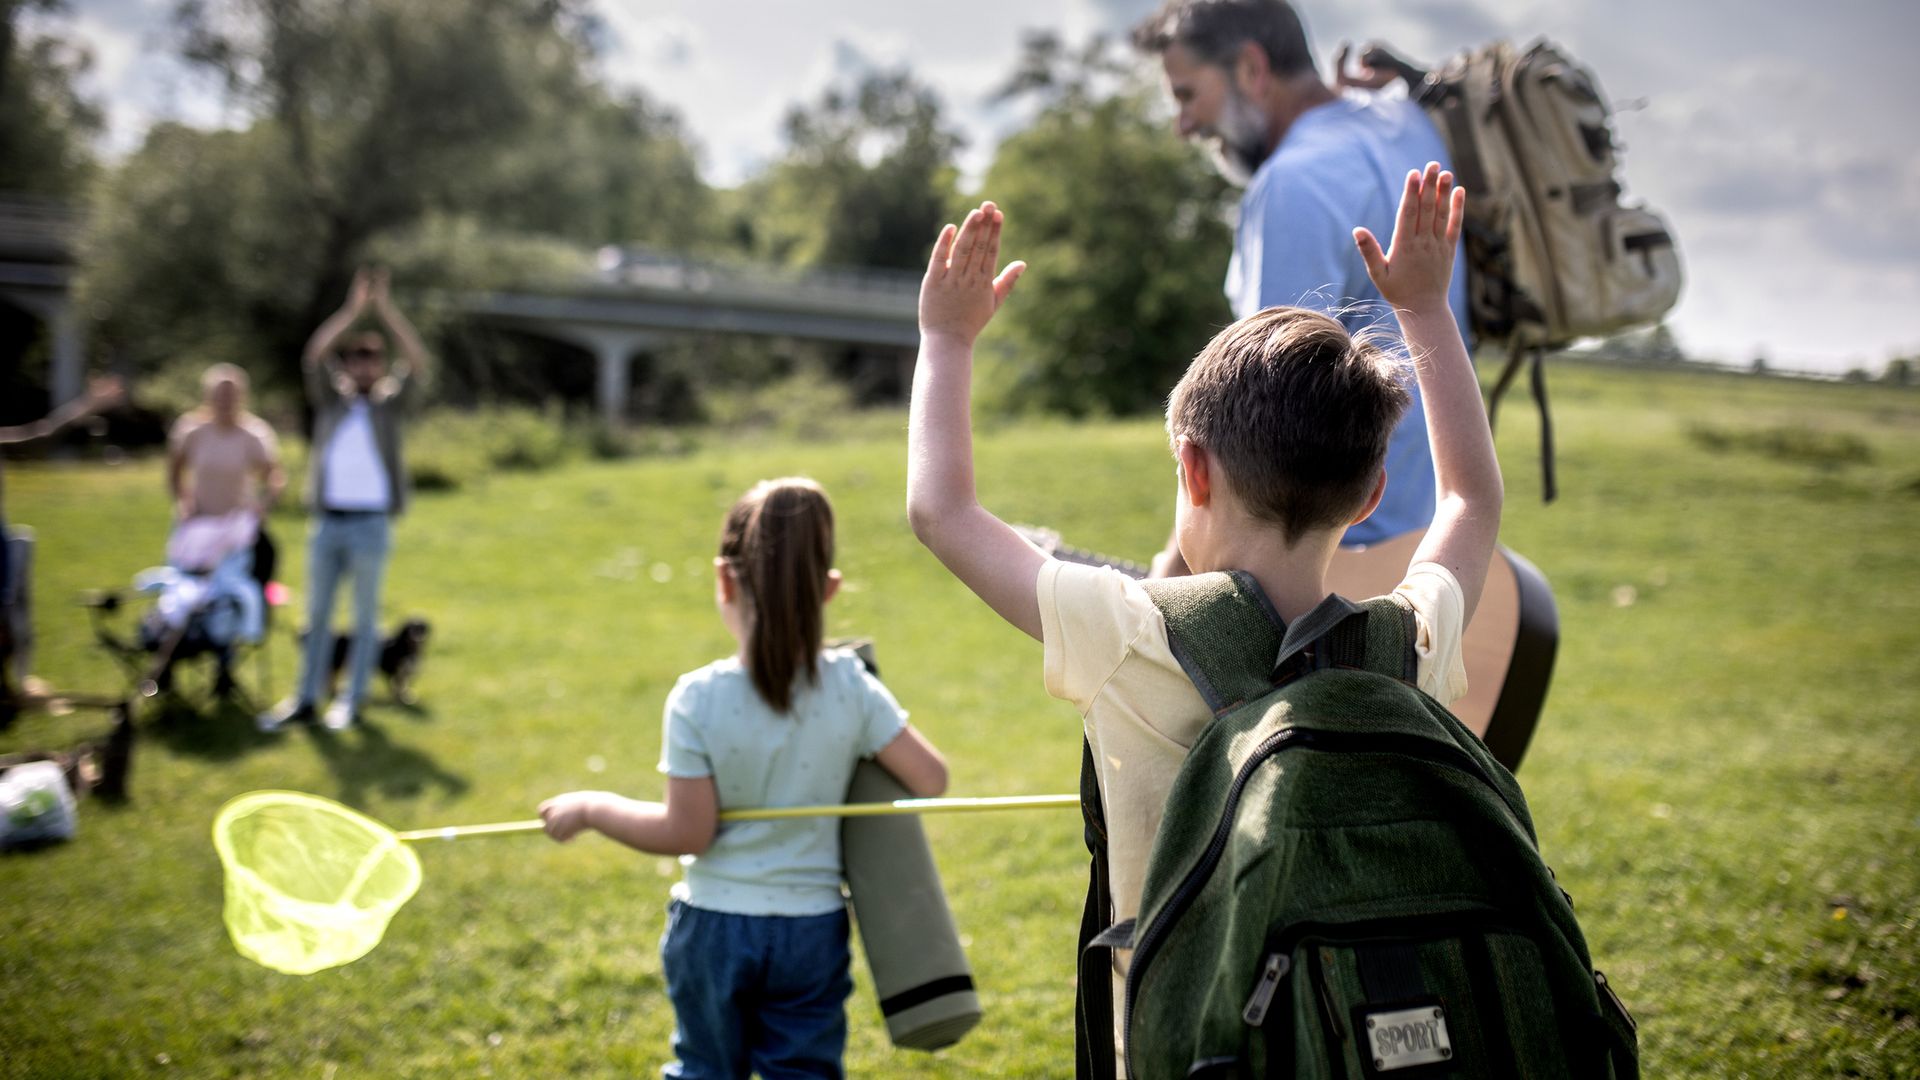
x=45 y=124
x=867 y=179
x=1124 y=231
x=372 y=122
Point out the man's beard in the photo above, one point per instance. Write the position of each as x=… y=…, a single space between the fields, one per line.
x=1238 y=142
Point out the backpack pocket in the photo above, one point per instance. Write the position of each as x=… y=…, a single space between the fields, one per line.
x=1456 y=994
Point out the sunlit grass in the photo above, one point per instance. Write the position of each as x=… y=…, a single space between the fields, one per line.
x=1728 y=779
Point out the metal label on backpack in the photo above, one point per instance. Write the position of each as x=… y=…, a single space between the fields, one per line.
x=1404 y=1038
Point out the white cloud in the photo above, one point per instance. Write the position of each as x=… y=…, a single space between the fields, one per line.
x=136 y=73
x=1802 y=234
x=749 y=63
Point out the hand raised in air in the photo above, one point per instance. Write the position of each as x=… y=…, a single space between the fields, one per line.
x=1416 y=273
x=960 y=292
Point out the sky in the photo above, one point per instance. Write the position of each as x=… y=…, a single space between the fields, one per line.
x=1780 y=139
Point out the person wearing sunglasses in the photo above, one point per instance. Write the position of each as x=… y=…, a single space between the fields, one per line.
x=357 y=485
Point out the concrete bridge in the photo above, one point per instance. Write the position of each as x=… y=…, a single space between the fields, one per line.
x=38 y=240
x=641 y=299
x=637 y=301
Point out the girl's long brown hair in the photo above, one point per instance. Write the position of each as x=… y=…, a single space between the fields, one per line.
x=779 y=541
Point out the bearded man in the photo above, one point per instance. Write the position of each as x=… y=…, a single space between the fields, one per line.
x=1315 y=165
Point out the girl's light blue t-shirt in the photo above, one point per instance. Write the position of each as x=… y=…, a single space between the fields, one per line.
x=717 y=725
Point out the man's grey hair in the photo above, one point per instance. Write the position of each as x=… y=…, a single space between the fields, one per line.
x=1214 y=30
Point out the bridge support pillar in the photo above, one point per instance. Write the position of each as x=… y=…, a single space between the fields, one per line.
x=69 y=355
x=56 y=310
x=615 y=381
x=613 y=351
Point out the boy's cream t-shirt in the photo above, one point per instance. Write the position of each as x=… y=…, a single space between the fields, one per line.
x=1107 y=653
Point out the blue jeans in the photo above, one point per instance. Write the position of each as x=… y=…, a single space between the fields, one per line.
x=764 y=993
x=343 y=544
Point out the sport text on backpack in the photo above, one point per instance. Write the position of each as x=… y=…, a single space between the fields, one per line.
x=1345 y=882
x=1552 y=255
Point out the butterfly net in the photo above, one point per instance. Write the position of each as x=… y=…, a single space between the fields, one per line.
x=310 y=884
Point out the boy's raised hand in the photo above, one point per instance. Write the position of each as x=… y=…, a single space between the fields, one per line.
x=1415 y=274
x=960 y=292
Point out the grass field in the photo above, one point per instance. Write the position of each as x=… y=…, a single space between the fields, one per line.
x=1727 y=780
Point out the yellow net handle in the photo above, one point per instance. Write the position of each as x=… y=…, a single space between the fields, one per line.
x=772 y=813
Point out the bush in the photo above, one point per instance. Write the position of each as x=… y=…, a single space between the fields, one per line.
x=604 y=443
x=1826 y=449
x=447 y=449
x=808 y=405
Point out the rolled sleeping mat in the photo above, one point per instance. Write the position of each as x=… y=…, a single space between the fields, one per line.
x=920 y=973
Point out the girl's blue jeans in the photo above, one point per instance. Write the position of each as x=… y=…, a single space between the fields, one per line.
x=756 y=993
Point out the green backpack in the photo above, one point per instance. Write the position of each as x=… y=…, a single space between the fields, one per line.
x=1345 y=882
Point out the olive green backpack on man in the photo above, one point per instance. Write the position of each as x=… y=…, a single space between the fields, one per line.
x=1345 y=882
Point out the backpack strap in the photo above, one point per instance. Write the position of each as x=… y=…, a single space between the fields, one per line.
x=1375 y=635
x=1231 y=642
x=1093 y=983
x=1224 y=632
x=1534 y=359
x=1538 y=377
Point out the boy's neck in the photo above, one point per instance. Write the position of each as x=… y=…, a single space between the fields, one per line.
x=1294 y=578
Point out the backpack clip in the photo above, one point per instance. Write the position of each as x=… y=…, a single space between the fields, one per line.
x=1333 y=633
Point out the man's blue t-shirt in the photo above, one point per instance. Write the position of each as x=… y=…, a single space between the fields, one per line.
x=1341 y=165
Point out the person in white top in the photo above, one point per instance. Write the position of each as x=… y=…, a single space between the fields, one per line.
x=1279 y=430
x=357 y=485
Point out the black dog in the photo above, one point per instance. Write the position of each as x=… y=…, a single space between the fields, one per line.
x=401 y=655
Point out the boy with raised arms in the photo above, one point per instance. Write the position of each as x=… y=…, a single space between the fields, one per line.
x=1279 y=432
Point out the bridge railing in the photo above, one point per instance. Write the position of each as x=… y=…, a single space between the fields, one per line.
x=669 y=270
x=37 y=230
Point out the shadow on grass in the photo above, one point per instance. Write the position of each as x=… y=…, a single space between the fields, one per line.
x=365 y=760
x=220 y=729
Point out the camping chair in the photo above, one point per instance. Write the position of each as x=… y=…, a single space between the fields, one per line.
x=193 y=615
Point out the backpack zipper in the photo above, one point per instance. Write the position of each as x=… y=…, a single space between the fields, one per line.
x=1279 y=960
x=1396 y=928
x=1285 y=739
x=1271 y=973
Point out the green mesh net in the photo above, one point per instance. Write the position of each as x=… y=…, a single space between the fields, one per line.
x=310 y=884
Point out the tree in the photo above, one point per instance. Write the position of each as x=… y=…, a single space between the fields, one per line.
x=867 y=179
x=376 y=124
x=46 y=130
x=1661 y=346
x=45 y=124
x=600 y=168
x=1124 y=229
x=199 y=243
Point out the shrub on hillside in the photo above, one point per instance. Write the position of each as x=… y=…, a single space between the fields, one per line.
x=1826 y=449
x=448 y=449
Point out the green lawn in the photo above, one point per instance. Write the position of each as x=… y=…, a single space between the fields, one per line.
x=1727 y=780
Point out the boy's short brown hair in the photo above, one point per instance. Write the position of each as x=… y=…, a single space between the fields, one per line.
x=1298 y=413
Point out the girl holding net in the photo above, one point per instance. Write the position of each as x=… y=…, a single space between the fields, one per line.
x=758 y=917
